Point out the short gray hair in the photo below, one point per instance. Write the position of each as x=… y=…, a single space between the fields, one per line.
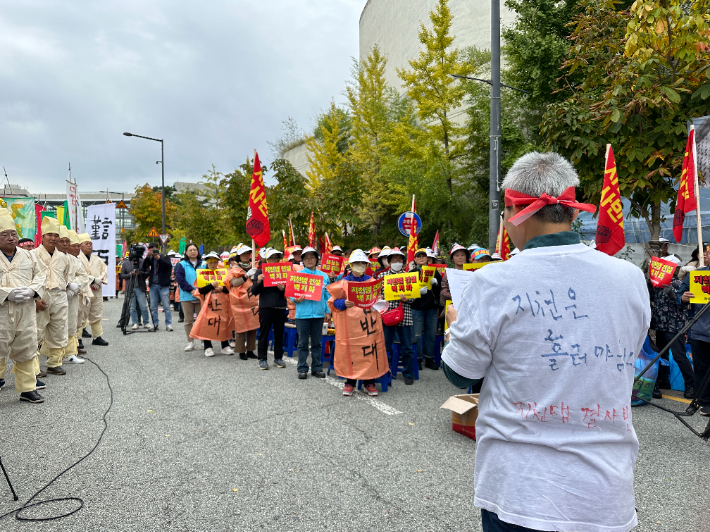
x=538 y=173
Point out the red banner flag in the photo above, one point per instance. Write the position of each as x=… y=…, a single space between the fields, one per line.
x=610 y=226
x=660 y=272
x=258 y=213
x=686 y=190
x=503 y=242
x=413 y=243
x=312 y=232
x=293 y=237
x=435 y=245
x=328 y=245
x=285 y=239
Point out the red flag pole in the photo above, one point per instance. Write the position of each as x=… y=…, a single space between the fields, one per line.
x=701 y=262
x=253 y=244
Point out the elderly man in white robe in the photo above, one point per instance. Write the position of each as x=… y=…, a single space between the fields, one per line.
x=555 y=333
x=78 y=284
x=96 y=268
x=22 y=280
x=52 y=309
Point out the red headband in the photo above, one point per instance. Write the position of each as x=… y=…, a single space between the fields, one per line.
x=567 y=198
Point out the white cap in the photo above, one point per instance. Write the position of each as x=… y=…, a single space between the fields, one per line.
x=514 y=252
x=211 y=255
x=235 y=249
x=664 y=240
x=358 y=256
x=430 y=253
x=272 y=252
x=290 y=256
x=242 y=249
x=473 y=246
x=263 y=252
x=171 y=253
x=337 y=248
x=456 y=248
x=309 y=249
x=385 y=252
x=224 y=255
x=178 y=256
x=396 y=251
x=297 y=248
x=496 y=256
x=672 y=258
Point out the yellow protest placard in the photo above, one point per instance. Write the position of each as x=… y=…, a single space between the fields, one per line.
x=700 y=286
x=473 y=266
x=403 y=284
x=446 y=322
x=428 y=273
x=205 y=276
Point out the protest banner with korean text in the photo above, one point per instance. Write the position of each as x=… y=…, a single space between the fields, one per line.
x=101 y=226
x=304 y=285
x=205 y=276
x=331 y=263
x=403 y=284
x=276 y=273
x=660 y=271
x=441 y=268
x=427 y=274
x=473 y=266
x=364 y=295
x=700 y=286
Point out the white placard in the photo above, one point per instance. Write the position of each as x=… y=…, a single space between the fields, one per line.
x=101 y=226
x=458 y=279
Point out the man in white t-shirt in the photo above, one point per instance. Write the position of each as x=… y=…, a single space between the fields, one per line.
x=555 y=333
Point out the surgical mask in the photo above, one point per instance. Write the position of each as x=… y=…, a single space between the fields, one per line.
x=359 y=269
x=396 y=266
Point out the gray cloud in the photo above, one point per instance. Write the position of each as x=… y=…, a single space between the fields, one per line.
x=214 y=79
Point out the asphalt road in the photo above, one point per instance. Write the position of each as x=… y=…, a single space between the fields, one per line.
x=197 y=443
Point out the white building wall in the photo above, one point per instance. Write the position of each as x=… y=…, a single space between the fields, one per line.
x=298 y=157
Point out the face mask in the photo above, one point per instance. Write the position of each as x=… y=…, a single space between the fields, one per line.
x=396 y=266
x=359 y=269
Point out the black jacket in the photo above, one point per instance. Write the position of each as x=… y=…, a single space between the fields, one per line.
x=165 y=269
x=138 y=278
x=269 y=297
x=429 y=300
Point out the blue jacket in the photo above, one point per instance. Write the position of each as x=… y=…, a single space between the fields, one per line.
x=185 y=275
x=340 y=303
x=314 y=309
x=701 y=328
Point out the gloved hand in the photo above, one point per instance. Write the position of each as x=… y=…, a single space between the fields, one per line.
x=73 y=287
x=97 y=282
x=423 y=290
x=70 y=293
x=434 y=282
x=21 y=294
x=251 y=273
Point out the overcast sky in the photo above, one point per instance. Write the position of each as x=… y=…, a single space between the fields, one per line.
x=215 y=79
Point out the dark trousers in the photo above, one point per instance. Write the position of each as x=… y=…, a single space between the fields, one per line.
x=678 y=353
x=353 y=382
x=701 y=363
x=208 y=343
x=406 y=353
x=491 y=523
x=309 y=329
x=271 y=318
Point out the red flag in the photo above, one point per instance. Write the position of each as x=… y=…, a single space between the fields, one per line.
x=312 y=232
x=258 y=213
x=413 y=243
x=39 y=209
x=435 y=245
x=503 y=242
x=686 y=190
x=610 y=226
x=285 y=239
x=328 y=244
x=290 y=228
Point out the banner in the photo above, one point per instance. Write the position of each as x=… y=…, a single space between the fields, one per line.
x=101 y=226
x=276 y=273
x=660 y=271
x=23 y=211
x=441 y=268
x=503 y=242
x=473 y=266
x=403 y=284
x=413 y=243
x=435 y=245
x=364 y=295
x=304 y=285
x=39 y=209
x=700 y=286
x=244 y=315
x=427 y=274
x=610 y=226
x=312 y=232
x=686 y=201
x=458 y=279
x=331 y=263
x=258 y=212
x=213 y=321
x=205 y=276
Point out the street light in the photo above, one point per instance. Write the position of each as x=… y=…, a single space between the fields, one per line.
x=162 y=176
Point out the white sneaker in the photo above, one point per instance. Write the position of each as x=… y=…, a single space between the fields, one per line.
x=135 y=327
x=146 y=326
x=227 y=351
x=190 y=346
x=209 y=352
x=74 y=359
x=232 y=344
x=169 y=327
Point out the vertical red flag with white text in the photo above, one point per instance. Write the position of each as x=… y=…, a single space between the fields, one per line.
x=285 y=239
x=610 y=225
x=435 y=244
x=686 y=190
x=413 y=236
x=290 y=228
x=258 y=213
x=328 y=244
x=312 y=232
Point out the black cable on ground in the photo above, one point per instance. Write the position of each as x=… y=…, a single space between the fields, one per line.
x=27 y=505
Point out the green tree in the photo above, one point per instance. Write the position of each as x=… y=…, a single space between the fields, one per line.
x=290 y=197
x=147 y=212
x=235 y=199
x=644 y=74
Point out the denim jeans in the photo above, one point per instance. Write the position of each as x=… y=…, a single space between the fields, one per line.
x=139 y=298
x=309 y=329
x=406 y=355
x=425 y=321
x=491 y=523
x=162 y=293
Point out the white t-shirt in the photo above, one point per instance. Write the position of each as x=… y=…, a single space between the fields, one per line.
x=555 y=332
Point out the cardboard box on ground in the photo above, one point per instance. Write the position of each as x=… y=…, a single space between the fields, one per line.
x=464 y=411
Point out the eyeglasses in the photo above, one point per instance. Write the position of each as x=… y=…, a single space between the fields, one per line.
x=8 y=234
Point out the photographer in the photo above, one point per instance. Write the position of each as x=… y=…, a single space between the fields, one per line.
x=131 y=272
x=157 y=268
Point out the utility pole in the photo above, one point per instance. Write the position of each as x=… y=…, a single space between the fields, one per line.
x=494 y=190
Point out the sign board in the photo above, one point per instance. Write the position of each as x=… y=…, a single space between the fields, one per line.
x=205 y=276
x=276 y=273
x=366 y=294
x=101 y=226
x=441 y=268
x=473 y=266
x=458 y=279
x=427 y=274
x=121 y=205
x=304 y=285
x=700 y=286
x=163 y=238
x=403 y=284
x=153 y=233
x=405 y=223
x=331 y=263
x=660 y=271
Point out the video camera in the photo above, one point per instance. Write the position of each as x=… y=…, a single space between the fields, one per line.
x=135 y=255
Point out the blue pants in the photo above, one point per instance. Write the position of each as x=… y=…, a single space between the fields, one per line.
x=162 y=293
x=491 y=523
x=309 y=329
x=425 y=321
x=406 y=354
x=139 y=298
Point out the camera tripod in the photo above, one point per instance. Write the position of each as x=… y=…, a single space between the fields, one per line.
x=694 y=405
x=14 y=495
x=126 y=310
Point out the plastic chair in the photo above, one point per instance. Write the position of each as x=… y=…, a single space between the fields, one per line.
x=384 y=381
x=437 y=347
x=327 y=339
x=394 y=365
x=290 y=340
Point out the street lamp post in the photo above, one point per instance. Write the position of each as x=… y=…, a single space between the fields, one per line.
x=162 y=176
